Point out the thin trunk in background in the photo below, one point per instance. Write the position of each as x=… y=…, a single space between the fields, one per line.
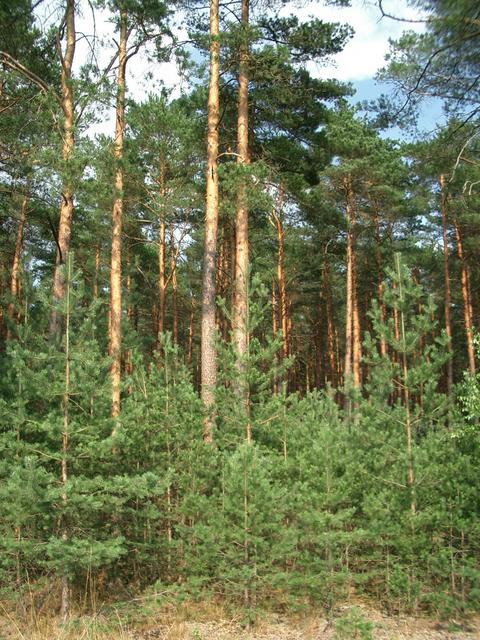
x=406 y=392
x=282 y=290
x=97 y=271
x=65 y=594
x=327 y=294
x=378 y=256
x=128 y=281
x=115 y=325
x=66 y=198
x=173 y=276
x=17 y=256
x=161 y=254
x=190 y=331
x=446 y=274
x=208 y=349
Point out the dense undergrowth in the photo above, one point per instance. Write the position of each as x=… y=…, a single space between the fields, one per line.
x=329 y=502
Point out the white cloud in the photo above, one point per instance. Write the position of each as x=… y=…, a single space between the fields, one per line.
x=364 y=54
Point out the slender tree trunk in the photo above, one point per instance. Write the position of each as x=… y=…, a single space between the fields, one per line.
x=383 y=311
x=446 y=273
x=274 y=330
x=329 y=318
x=208 y=350
x=282 y=289
x=97 y=271
x=347 y=372
x=240 y=323
x=161 y=255
x=115 y=332
x=406 y=394
x=467 y=305
x=190 y=331
x=17 y=256
x=173 y=272
x=128 y=279
x=65 y=597
x=66 y=198
x=357 y=345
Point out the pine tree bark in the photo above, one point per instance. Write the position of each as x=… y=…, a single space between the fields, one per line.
x=467 y=305
x=66 y=198
x=115 y=328
x=446 y=274
x=350 y=221
x=208 y=350
x=356 y=330
x=240 y=333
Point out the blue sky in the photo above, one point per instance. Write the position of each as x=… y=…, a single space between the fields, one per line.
x=358 y=63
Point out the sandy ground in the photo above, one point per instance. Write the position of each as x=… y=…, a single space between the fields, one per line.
x=385 y=628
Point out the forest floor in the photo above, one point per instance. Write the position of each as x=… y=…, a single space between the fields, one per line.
x=382 y=627
x=385 y=628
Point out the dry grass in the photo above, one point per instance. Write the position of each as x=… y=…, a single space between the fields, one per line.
x=150 y=618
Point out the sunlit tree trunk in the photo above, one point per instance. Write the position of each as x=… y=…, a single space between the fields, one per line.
x=350 y=222
x=208 y=350
x=115 y=329
x=467 y=305
x=66 y=198
x=240 y=310
x=356 y=331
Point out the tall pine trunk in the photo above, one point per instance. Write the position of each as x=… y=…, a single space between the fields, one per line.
x=349 y=307
x=240 y=309
x=208 y=350
x=66 y=198
x=467 y=304
x=115 y=326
